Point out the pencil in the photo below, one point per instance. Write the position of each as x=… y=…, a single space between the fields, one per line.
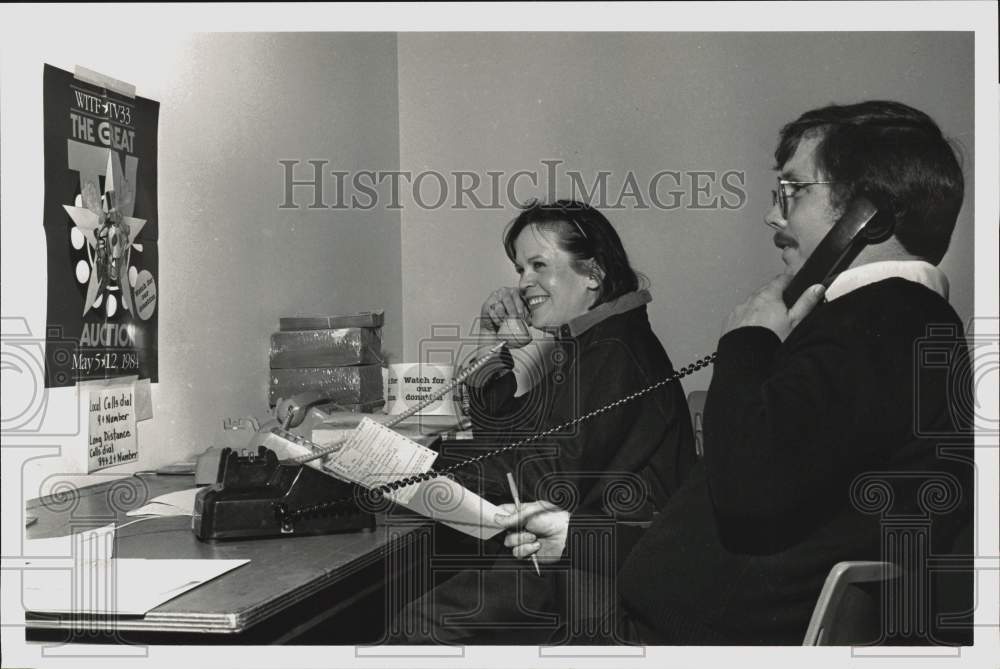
x=517 y=507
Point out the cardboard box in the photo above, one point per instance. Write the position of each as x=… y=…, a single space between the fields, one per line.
x=361 y=384
x=366 y=319
x=297 y=349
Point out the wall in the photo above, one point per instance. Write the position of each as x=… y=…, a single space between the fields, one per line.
x=645 y=102
x=231 y=262
x=232 y=105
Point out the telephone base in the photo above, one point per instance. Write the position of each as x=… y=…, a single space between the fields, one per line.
x=244 y=501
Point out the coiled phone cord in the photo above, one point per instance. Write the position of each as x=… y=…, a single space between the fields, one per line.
x=466 y=373
x=286 y=516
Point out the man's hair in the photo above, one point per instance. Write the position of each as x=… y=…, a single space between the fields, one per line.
x=587 y=236
x=895 y=156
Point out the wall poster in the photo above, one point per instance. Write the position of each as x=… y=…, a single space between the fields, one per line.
x=101 y=231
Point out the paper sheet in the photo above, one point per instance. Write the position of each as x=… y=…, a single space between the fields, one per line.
x=98 y=542
x=374 y=455
x=177 y=503
x=143 y=400
x=117 y=586
x=446 y=501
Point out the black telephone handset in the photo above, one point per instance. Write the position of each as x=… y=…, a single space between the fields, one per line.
x=861 y=224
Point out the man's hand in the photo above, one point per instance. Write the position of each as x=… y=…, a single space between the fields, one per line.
x=766 y=308
x=543 y=530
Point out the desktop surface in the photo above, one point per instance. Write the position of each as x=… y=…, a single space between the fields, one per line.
x=290 y=584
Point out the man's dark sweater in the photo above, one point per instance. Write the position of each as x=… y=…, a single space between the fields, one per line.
x=797 y=437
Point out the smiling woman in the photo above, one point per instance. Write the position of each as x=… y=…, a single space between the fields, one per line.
x=551 y=286
x=577 y=285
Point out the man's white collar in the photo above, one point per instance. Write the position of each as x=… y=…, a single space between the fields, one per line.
x=918 y=271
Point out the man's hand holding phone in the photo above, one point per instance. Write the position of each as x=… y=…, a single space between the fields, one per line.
x=766 y=308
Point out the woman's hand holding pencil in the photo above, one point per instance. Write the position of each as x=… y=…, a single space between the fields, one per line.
x=538 y=530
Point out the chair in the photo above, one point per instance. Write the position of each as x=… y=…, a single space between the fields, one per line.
x=845 y=614
x=696 y=405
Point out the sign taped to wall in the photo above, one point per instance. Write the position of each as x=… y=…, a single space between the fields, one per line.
x=111 y=434
x=101 y=232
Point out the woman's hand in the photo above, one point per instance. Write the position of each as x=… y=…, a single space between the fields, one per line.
x=540 y=529
x=503 y=303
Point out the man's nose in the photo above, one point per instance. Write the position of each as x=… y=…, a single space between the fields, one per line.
x=774 y=219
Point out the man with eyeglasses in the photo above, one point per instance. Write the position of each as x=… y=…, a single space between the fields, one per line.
x=823 y=427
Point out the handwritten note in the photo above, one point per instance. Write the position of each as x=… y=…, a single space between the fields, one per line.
x=111 y=437
x=374 y=454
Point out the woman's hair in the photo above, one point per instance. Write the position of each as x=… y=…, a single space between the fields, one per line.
x=588 y=237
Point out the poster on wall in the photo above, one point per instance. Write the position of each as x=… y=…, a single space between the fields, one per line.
x=101 y=231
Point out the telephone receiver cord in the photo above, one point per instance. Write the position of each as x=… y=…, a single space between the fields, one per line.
x=286 y=515
x=321 y=451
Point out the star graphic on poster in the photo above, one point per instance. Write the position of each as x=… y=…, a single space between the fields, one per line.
x=109 y=233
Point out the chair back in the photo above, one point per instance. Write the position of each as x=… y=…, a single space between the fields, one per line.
x=847 y=613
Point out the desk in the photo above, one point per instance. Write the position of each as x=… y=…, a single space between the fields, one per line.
x=291 y=585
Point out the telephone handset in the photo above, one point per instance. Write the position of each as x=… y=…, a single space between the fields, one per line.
x=861 y=224
x=292 y=412
x=514 y=331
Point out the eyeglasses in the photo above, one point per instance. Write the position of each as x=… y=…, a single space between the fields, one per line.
x=787 y=189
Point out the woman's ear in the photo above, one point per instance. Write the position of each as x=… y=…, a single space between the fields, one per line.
x=595 y=275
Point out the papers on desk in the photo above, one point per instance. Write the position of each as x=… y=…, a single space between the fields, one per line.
x=78 y=574
x=117 y=586
x=177 y=503
x=422 y=429
x=98 y=542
